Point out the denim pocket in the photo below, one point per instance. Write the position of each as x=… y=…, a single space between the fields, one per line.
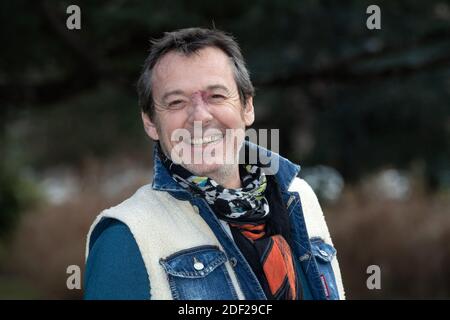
x=199 y=273
x=324 y=254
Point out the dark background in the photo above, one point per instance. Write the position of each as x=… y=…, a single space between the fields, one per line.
x=365 y=112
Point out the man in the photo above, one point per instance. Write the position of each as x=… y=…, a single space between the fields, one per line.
x=209 y=226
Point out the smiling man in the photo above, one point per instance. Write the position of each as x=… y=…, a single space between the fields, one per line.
x=198 y=89
x=211 y=225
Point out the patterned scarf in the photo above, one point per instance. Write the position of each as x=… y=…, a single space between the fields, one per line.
x=246 y=209
x=244 y=205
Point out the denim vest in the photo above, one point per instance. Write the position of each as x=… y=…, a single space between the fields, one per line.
x=200 y=273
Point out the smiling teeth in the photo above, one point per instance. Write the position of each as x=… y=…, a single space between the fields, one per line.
x=205 y=140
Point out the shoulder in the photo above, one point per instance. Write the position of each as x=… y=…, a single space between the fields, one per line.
x=312 y=211
x=299 y=184
x=143 y=197
x=118 y=220
x=110 y=231
x=307 y=195
x=143 y=203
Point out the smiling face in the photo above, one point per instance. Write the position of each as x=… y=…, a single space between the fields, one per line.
x=198 y=95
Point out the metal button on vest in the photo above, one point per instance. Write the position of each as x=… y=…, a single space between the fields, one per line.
x=304 y=257
x=196 y=209
x=324 y=253
x=198 y=265
x=233 y=262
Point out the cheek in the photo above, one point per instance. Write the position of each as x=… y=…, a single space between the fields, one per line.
x=169 y=125
x=229 y=117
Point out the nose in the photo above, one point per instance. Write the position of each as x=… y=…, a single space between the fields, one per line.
x=199 y=110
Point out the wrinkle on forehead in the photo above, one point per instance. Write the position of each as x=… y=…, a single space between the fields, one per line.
x=176 y=71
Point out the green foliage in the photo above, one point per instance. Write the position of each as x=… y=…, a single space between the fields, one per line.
x=17 y=193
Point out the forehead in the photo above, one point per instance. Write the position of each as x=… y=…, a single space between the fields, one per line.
x=176 y=71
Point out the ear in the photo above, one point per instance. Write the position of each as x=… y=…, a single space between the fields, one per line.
x=249 y=112
x=149 y=126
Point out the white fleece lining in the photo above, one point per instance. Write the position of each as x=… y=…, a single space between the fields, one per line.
x=315 y=223
x=146 y=214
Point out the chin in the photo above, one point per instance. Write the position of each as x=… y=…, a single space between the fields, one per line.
x=203 y=169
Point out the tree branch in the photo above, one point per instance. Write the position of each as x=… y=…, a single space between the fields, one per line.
x=441 y=35
x=348 y=76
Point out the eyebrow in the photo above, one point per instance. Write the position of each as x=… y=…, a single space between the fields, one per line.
x=181 y=92
x=218 y=86
x=173 y=92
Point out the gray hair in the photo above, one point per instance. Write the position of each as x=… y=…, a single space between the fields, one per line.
x=188 y=41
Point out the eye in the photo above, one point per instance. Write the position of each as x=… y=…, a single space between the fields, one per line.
x=176 y=104
x=217 y=98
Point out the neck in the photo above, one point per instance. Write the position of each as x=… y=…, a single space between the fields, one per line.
x=228 y=180
x=227 y=176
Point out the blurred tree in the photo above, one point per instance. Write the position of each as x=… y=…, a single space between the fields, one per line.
x=17 y=193
x=364 y=98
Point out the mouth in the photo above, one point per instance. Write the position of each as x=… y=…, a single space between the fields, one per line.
x=206 y=140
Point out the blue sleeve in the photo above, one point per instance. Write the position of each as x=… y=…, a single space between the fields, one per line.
x=114 y=268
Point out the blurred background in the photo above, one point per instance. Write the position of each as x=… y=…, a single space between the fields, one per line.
x=365 y=112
